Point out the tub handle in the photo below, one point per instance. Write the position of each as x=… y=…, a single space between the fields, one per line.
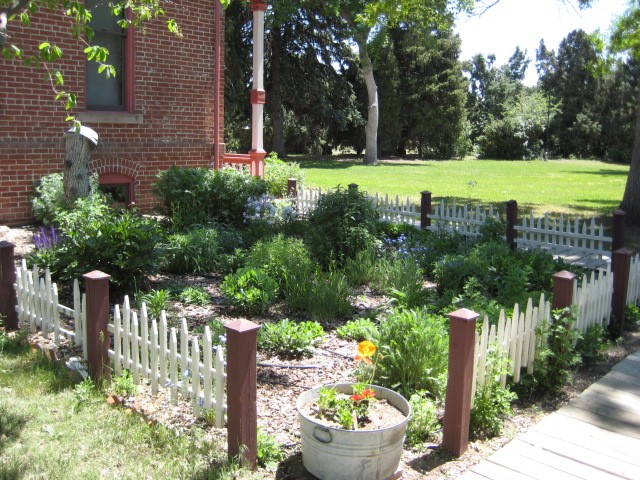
x=324 y=431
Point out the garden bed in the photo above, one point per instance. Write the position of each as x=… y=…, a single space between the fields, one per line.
x=282 y=380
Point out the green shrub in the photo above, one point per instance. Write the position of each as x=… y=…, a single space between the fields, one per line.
x=277 y=174
x=492 y=231
x=96 y=237
x=155 y=301
x=424 y=425
x=282 y=258
x=193 y=251
x=122 y=384
x=593 y=344
x=200 y=195
x=492 y=401
x=322 y=295
x=632 y=317
x=358 y=330
x=401 y=278
x=194 y=296
x=342 y=224
x=49 y=200
x=363 y=268
x=414 y=352
x=290 y=339
x=269 y=451
x=555 y=353
x=250 y=290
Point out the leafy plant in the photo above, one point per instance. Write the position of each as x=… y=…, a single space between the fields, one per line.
x=277 y=174
x=194 y=296
x=251 y=290
x=343 y=223
x=424 y=425
x=269 y=451
x=155 y=301
x=632 y=317
x=84 y=392
x=322 y=295
x=402 y=279
x=492 y=401
x=123 y=385
x=289 y=338
x=593 y=344
x=283 y=259
x=193 y=251
x=49 y=199
x=555 y=353
x=358 y=329
x=414 y=352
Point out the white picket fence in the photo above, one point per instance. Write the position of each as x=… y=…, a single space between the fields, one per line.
x=38 y=306
x=563 y=237
x=463 y=220
x=514 y=337
x=178 y=360
x=633 y=291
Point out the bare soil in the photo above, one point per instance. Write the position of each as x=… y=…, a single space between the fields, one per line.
x=282 y=380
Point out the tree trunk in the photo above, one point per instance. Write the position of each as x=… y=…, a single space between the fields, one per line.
x=371 y=128
x=631 y=199
x=275 y=95
x=77 y=153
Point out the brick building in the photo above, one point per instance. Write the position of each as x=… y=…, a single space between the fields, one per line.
x=164 y=108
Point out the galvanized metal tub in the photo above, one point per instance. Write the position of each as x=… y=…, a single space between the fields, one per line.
x=336 y=454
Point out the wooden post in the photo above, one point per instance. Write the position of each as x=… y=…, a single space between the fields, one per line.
x=353 y=186
x=8 y=300
x=621 y=268
x=425 y=209
x=457 y=410
x=617 y=238
x=292 y=188
x=512 y=221
x=242 y=410
x=98 y=338
x=562 y=289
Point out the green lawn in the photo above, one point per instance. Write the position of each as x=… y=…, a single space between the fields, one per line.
x=580 y=187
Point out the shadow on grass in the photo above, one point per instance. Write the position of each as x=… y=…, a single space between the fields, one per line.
x=11 y=426
x=603 y=172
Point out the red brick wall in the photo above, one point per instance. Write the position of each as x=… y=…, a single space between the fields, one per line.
x=173 y=95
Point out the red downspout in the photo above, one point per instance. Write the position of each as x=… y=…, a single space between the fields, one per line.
x=216 y=86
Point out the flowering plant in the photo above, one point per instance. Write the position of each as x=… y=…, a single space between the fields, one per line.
x=350 y=411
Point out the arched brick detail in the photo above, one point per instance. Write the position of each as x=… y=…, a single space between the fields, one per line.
x=119 y=165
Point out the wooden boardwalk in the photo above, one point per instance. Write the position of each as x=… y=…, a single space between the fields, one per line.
x=595 y=437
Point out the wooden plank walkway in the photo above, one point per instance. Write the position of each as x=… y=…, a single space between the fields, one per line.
x=595 y=437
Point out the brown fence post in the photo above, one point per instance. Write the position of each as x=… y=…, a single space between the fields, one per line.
x=562 y=289
x=8 y=300
x=621 y=268
x=617 y=237
x=242 y=409
x=512 y=221
x=457 y=410
x=425 y=209
x=98 y=340
x=292 y=187
x=353 y=186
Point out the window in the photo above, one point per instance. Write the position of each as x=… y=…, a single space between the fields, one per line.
x=118 y=188
x=113 y=93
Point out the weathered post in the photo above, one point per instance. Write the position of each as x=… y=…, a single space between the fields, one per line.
x=98 y=339
x=242 y=410
x=353 y=187
x=563 y=289
x=621 y=268
x=7 y=293
x=457 y=410
x=292 y=188
x=617 y=237
x=512 y=221
x=77 y=154
x=425 y=209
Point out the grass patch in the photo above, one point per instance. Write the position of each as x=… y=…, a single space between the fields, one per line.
x=43 y=433
x=578 y=187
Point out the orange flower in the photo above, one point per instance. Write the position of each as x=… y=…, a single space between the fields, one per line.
x=367 y=393
x=366 y=349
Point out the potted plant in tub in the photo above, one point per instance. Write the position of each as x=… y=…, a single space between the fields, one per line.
x=353 y=431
